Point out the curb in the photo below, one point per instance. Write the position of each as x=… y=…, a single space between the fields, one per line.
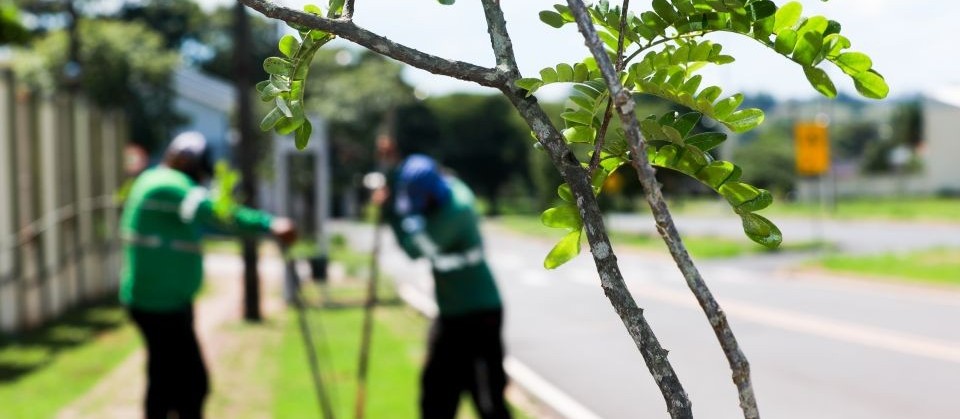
x=532 y=383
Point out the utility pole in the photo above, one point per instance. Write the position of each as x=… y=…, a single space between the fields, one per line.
x=246 y=155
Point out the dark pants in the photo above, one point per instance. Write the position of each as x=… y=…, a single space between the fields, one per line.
x=465 y=354
x=176 y=376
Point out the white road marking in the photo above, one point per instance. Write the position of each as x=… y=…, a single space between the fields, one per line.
x=534 y=277
x=820 y=326
x=546 y=392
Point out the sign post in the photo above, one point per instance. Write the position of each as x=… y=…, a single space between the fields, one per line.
x=812 y=144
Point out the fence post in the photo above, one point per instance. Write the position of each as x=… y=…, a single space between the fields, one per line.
x=9 y=304
x=69 y=261
x=95 y=254
x=49 y=174
x=29 y=255
x=85 y=203
x=111 y=182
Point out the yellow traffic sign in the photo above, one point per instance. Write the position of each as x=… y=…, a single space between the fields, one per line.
x=812 y=148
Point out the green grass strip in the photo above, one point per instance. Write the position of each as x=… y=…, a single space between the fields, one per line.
x=893 y=209
x=43 y=371
x=936 y=266
x=398 y=350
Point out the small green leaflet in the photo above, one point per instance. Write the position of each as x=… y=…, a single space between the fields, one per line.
x=566 y=249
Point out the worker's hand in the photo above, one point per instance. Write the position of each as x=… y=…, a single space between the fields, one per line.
x=284 y=230
x=380 y=195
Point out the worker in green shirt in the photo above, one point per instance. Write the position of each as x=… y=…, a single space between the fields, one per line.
x=432 y=216
x=161 y=228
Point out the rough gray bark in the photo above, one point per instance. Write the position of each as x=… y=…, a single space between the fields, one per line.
x=665 y=225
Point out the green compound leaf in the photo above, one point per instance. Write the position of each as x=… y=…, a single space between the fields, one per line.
x=580 y=134
x=552 y=18
x=302 y=135
x=277 y=66
x=761 y=201
x=289 y=45
x=289 y=73
x=561 y=73
x=787 y=16
x=722 y=177
x=744 y=120
x=871 y=84
x=761 y=230
x=805 y=40
x=719 y=172
x=820 y=81
x=853 y=63
x=738 y=193
x=564 y=216
x=529 y=84
x=706 y=141
x=564 y=192
x=225 y=181
x=565 y=250
x=271 y=120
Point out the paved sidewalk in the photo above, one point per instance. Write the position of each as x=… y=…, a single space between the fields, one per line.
x=120 y=393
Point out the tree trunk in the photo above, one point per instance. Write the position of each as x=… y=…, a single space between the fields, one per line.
x=246 y=155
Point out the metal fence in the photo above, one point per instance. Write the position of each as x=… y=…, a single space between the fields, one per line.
x=60 y=166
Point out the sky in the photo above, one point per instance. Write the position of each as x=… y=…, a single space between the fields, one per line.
x=909 y=42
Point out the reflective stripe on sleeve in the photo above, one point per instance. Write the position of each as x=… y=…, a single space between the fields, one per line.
x=448 y=262
x=427 y=246
x=157 y=242
x=190 y=204
x=141 y=240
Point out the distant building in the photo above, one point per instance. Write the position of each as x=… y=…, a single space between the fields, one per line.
x=207 y=102
x=941 y=142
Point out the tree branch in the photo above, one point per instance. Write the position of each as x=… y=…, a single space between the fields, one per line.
x=601 y=137
x=573 y=172
x=346 y=29
x=348 y=9
x=665 y=225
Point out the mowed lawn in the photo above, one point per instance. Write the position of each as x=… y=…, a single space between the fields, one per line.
x=934 y=266
x=44 y=370
x=392 y=384
x=926 y=209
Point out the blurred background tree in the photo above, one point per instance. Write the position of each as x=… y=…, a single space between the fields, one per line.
x=481 y=143
x=11 y=30
x=125 y=65
x=357 y=93
x=767 y=158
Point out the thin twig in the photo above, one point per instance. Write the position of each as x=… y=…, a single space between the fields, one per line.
x=608 y=113
x=665 y=225
x=348 y=10
x=601 y=136
x=661 y=41
x=623 y=27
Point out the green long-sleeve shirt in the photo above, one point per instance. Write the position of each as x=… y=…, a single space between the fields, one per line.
x=161 y=228
x=450 y=237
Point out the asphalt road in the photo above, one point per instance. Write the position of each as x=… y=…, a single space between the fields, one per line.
x=819 y=347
